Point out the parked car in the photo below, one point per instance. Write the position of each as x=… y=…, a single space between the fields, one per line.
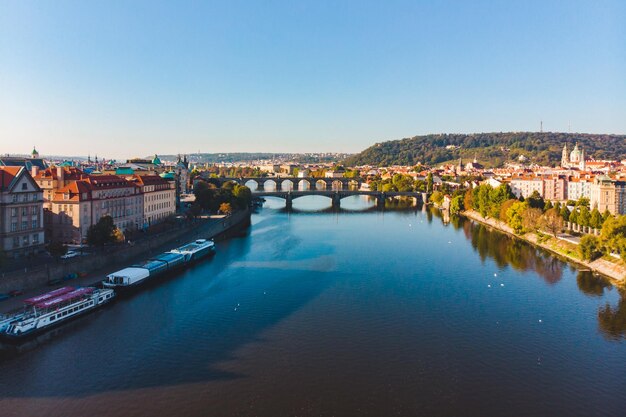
x=15 y=293
x=4 y=297
x=70 y=254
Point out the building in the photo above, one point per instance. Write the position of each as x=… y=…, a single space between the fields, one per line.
x=576 y=159
x=555 y=188
x=181 y=171
x=578 y=188
x=82 y=203
x=159 y=198
x=54 y=178
x=21 y=213
x=525 y=186
x=609 y=194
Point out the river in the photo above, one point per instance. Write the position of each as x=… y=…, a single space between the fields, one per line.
x=356 y=313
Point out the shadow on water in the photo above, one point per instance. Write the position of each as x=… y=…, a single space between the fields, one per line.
x=175 y=333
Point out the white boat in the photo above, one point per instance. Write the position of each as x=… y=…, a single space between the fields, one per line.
x=196 y=250
x=53 y=308
x=140 y=273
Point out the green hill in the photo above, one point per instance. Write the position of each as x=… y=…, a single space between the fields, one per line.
x=491 y=149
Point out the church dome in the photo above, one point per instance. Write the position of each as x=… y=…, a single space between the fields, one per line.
x=574 y=157
x=156 y=160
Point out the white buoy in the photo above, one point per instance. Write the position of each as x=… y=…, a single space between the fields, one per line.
x=489 y=285
x=540 y=321
x=495 y=275
x=502 y=285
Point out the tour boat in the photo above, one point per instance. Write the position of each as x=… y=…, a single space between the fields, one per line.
x=53 y=308
x=196 y=250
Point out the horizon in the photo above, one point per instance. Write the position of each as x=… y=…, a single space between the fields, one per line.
x=294 y=78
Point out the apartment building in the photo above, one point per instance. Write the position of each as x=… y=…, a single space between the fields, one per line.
x=21 y=212
x=159 y=198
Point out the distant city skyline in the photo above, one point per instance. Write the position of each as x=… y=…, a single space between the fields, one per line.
x=121 y=80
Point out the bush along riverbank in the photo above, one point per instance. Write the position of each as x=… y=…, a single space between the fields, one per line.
x=614 y=269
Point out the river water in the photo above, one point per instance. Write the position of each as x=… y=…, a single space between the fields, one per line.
x=357 y=313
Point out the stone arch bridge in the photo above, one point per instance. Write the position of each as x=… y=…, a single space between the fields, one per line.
x=312 y=182
x=337 y=196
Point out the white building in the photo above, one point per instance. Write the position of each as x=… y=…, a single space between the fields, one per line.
x=159 y=198
x=525 y=186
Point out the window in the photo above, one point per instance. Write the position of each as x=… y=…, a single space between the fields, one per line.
x=34 y=210
x=24 y=211
x=24 y=224
x=34 y=224
x=14 y=227
x=24 y=186
x=25 y=240
x=35 y=239
x=15 y=198
x=13 y=212
x=16 y=242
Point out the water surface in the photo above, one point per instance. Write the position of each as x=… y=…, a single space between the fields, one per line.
x=357 y=313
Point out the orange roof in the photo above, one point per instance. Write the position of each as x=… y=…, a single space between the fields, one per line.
x=7 y=175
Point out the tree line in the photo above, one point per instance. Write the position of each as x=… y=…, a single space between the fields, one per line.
x=534 y=214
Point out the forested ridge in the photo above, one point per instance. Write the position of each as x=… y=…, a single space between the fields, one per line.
x=491 y=149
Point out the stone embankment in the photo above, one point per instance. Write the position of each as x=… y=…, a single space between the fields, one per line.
x=111 y=259
x=616 y=272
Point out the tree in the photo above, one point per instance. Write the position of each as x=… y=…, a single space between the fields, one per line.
x=456 y=205
x=437 y=197
x=429 y=182
x=56 y=249
x=536 y=200
x=468 y=200
x=225 y=208
x=605 y=215
x=595 y=220
x=589 y=247
x=552 y=221
x=102 y=232
x=584 y=216
x=497 y=196
x=573 y=216
x=531 y=218
x=547 y=206
x=514 y=214
x=565 y=213
x=504 y=209
x=583 y=202
x=242 y=196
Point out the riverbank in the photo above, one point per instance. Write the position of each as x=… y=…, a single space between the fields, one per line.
x=616 y=272
x=94 y=267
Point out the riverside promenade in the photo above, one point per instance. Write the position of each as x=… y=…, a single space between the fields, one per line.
x=94 y=267
x=614 y=271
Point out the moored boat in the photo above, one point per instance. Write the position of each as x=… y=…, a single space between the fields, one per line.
x=196 y=250
x=53 y=308
x=140 y=273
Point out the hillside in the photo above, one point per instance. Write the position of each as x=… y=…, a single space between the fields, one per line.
x=491 y=149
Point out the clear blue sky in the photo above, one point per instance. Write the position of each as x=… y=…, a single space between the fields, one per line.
x=134 y=78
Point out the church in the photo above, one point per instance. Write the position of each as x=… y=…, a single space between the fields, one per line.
x=575 y=159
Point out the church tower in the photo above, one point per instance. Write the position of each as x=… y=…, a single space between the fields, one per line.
x=564 y=157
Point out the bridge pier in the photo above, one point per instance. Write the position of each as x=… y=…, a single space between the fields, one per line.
x=336 y=201
x=289 y=201
x=380 y=201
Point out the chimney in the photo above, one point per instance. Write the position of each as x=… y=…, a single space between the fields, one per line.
x=34 y=171
x=61 y=176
